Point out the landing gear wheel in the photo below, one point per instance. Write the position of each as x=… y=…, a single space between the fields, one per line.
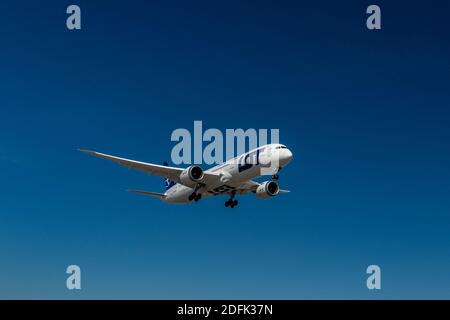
x=275 y=177
x=231 y=203
x=192 y=196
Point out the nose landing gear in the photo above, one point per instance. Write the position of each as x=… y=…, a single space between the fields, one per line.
x=276 y=176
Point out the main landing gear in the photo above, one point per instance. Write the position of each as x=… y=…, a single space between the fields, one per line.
x=231 y=202
x=194 y=195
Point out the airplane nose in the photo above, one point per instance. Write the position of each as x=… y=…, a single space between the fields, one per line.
x=289 y=154
x=285 y=157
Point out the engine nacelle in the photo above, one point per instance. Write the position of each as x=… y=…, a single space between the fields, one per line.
x=267 y=189
x=191 y=176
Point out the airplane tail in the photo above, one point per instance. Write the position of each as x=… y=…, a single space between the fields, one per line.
x=169 y=183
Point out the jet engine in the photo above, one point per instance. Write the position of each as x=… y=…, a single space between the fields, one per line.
x=267 y=189
x=191 y=176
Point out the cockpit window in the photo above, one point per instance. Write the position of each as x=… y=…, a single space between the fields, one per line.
x=280 y=147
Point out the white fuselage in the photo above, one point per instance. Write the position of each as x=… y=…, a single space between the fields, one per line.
x=235 y=172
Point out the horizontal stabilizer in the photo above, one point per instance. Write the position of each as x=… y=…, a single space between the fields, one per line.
x=149 y=193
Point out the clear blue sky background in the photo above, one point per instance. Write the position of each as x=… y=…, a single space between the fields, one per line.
x=365 y=113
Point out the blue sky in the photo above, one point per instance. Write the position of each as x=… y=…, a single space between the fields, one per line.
x=365 y=113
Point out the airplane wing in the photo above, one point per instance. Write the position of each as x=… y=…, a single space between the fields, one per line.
x=172 y=173
x=248 y=186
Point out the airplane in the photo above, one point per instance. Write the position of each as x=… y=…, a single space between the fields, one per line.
x=233 y=177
